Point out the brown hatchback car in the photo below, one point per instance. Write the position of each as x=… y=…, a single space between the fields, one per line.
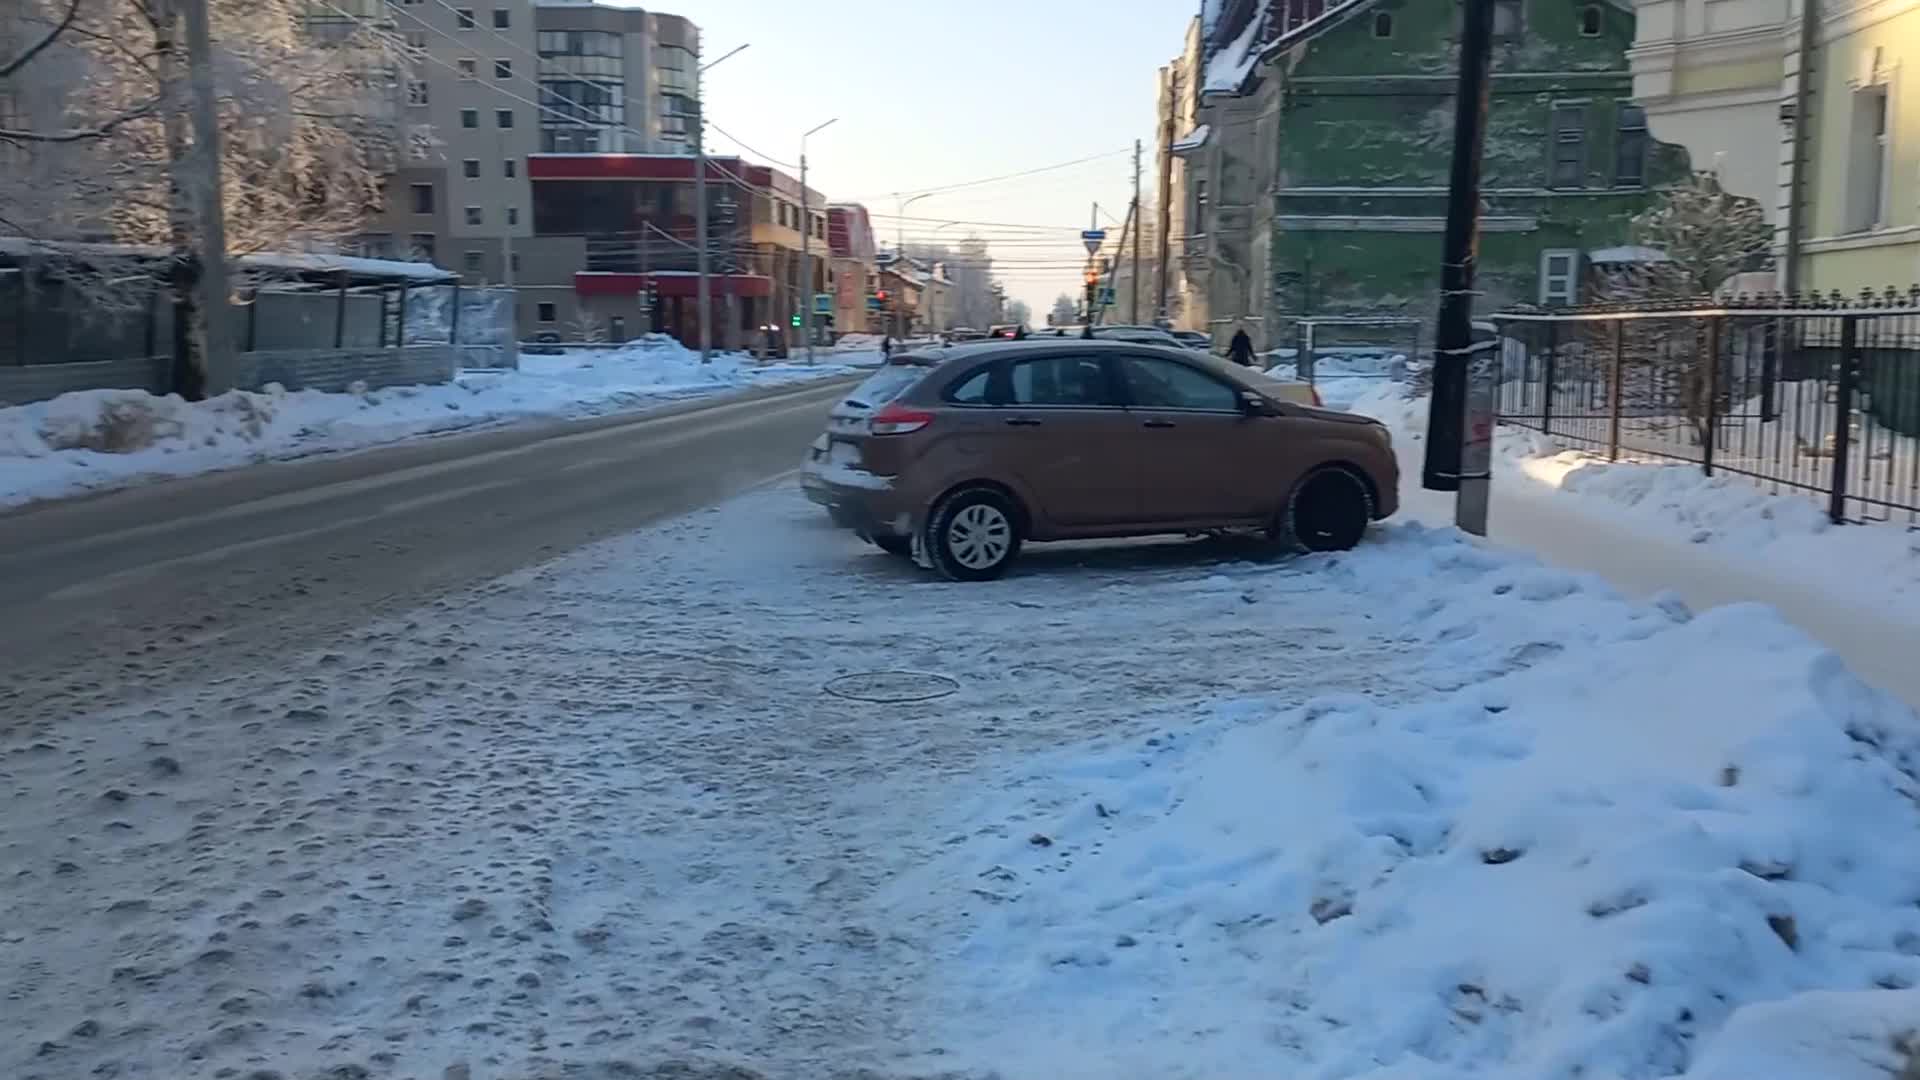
x=957 y=456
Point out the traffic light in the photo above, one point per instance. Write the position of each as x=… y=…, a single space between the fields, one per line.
x=1092 y=276
x=795 y=318
x=881 y=296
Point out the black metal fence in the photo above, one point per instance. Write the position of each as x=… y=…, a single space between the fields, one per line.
x=1816 y=394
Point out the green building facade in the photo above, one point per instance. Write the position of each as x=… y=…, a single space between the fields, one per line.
x=1365 y=141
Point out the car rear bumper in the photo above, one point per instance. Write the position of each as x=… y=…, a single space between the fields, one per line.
x=868 y=505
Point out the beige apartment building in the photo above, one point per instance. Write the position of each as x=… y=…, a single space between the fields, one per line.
x=495 y=81
x=1729 y=79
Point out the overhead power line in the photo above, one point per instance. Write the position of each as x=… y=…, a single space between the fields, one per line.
x=1005 y=176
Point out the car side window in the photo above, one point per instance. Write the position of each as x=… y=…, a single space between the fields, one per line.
x=971 y=390
x=1071 y=380
x=1153 y=383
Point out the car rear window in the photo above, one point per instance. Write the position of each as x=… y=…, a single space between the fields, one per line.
x=886 y=384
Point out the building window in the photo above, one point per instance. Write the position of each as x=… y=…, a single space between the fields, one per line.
x=423 y=198
x=510 y=168
x=469 y=67
x=1383 y=24
x=470 y=262
x=474 y=216
x=1199 y=224
x=502 y=19
x=1559 y=280
x=416 y=41
x=463 y=19
x=420 y=247
x=503 y=117
x=1568 y=167
x=513 y=215
x=1630 y=148
x=1590 y=21
x=544 y=312
x=1508 y=21
x=513 y=261
x=617 y=329
x=469 y=118
x=470 y=168
x=416 y=91
x=1867 y=163
x=503 y=69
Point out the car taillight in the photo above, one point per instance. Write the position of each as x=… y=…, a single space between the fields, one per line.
x=899 y=420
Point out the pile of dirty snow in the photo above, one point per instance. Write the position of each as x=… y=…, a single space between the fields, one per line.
x=1618 y=841
x=102 y=439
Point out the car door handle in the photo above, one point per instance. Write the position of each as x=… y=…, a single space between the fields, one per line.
x=1021 y=421
x=1158 y=424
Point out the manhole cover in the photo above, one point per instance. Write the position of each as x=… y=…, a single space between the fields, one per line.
x=892 y=687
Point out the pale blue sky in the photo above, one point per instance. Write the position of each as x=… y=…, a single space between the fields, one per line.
x=933 y=93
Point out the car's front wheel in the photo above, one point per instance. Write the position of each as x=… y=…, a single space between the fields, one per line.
x=1328 y=511
x=973 y=535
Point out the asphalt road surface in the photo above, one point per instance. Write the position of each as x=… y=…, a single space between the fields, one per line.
x=126 y=593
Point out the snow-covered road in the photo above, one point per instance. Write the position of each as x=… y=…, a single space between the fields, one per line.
x=599 y=812
x=1182 y=814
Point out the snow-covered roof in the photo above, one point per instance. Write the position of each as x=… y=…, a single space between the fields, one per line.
x=1192 y=140
x=272 y=262
x=1228 y=69
x=1627 y=253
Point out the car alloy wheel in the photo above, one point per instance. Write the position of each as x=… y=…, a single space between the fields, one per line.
x=979 y=537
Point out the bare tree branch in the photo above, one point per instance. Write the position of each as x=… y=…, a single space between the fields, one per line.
x=73 y=12
x=94 y=131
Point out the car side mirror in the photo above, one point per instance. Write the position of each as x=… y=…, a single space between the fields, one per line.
x=1253 y=404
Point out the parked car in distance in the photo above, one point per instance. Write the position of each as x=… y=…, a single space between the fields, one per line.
x=1145 y=335
x=1194 y=339
x=960 y=456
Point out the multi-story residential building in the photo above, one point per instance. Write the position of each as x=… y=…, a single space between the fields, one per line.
x=612 y=230
x=1329 y=141
x=850 y=244
x=614 y=80
x=1182 y=279
x=494 y=82
x=1729 y=79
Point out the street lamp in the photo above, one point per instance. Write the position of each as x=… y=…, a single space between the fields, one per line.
x=806 y=237
x=703 y=304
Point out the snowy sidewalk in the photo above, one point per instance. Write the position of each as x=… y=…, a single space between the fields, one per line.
x=104 y=439
x=1653 y=528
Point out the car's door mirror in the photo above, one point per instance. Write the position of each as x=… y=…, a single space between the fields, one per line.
x=1254 y=404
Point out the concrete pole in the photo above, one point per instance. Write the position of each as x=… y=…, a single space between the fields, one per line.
x=210 y=206
x=806 y=255
x=703 y=304
x=1133 y=302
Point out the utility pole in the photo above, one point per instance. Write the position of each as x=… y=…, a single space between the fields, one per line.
x=703 y=298
x=1447 y=422
x=806 y=241
x=1165 y=238
x=1093 y=274
x=1133 y=303
x=204 y=175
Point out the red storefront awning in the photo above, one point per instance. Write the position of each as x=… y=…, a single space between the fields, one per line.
x=595 y=283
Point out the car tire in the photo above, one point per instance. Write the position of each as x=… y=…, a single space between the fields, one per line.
x=1328 y=511
x=894 y=545
x=972 y=535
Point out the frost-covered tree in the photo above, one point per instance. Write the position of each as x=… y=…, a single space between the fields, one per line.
x=1017 y=312
x=98 y=145
x=1065 y=311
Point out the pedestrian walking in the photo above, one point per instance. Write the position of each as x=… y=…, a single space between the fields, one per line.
x=886 y=346
x=1240 y=351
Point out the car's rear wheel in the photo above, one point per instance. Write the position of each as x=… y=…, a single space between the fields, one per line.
x=894 y=545
x=973 y=535
x=1328 y=511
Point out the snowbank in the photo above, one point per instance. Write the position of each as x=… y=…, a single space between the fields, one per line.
x=101 y=439
x=1620 y=841
x=1785 y=533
